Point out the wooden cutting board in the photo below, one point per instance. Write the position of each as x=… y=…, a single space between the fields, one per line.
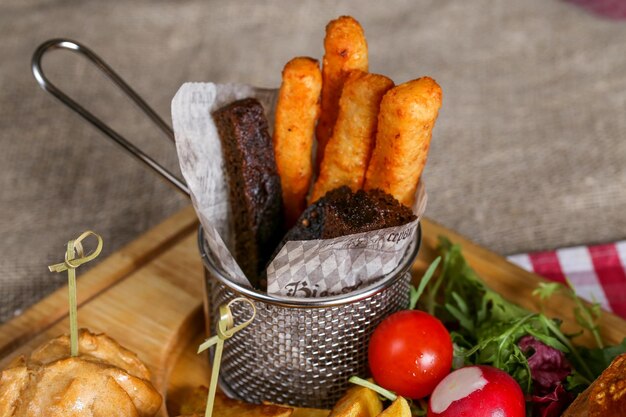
x=148 y=296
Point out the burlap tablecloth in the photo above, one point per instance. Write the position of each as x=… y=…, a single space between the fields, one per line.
x=528 y=153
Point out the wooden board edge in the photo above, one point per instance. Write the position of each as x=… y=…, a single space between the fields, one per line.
x=94 y=282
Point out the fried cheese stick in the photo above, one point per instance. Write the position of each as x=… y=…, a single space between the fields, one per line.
x=350 y=147
x=345 y=49
x=405 y=124
x=297 y=111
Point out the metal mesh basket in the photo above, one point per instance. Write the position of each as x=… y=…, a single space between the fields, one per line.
x=301 y=352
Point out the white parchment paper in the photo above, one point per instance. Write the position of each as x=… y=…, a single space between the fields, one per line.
x=313 y=268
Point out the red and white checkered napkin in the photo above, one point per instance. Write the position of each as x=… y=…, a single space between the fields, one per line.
x=597 y=272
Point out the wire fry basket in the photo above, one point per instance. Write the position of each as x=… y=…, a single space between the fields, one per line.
x=298 y=351
x=301 y=351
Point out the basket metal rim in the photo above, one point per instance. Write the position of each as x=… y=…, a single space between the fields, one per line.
x=322 y=302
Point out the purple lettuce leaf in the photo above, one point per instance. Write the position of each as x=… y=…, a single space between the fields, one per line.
x=552 y=404
x=548 y=369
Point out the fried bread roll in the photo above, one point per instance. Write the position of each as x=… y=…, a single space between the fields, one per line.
x=350 y=146
x=345 y=49
x=606 y=396
x=405 y=124
x=297 y=112
x=105 y=380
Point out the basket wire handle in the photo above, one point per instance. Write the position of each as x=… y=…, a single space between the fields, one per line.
x=46 y=85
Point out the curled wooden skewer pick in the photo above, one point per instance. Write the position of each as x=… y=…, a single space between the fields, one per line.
x=225 y=329
x=75 y=257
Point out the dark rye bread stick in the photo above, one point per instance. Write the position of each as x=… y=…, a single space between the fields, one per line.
x=343 y=212
x=255 y=192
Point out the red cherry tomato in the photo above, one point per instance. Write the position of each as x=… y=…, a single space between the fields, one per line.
x=409 y=353
x=477 y=391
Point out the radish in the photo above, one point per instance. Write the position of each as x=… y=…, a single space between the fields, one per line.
x=477 y=391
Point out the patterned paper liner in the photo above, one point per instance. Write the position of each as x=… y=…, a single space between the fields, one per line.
x=313 y=268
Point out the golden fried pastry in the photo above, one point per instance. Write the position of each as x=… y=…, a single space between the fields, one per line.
x=105 y=380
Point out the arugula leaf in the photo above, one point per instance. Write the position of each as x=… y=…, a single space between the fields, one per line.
x=599 y=359
x=415 y=294
x=586 y=316
x=548 y=340
x=545 y=290
x=576 y=382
